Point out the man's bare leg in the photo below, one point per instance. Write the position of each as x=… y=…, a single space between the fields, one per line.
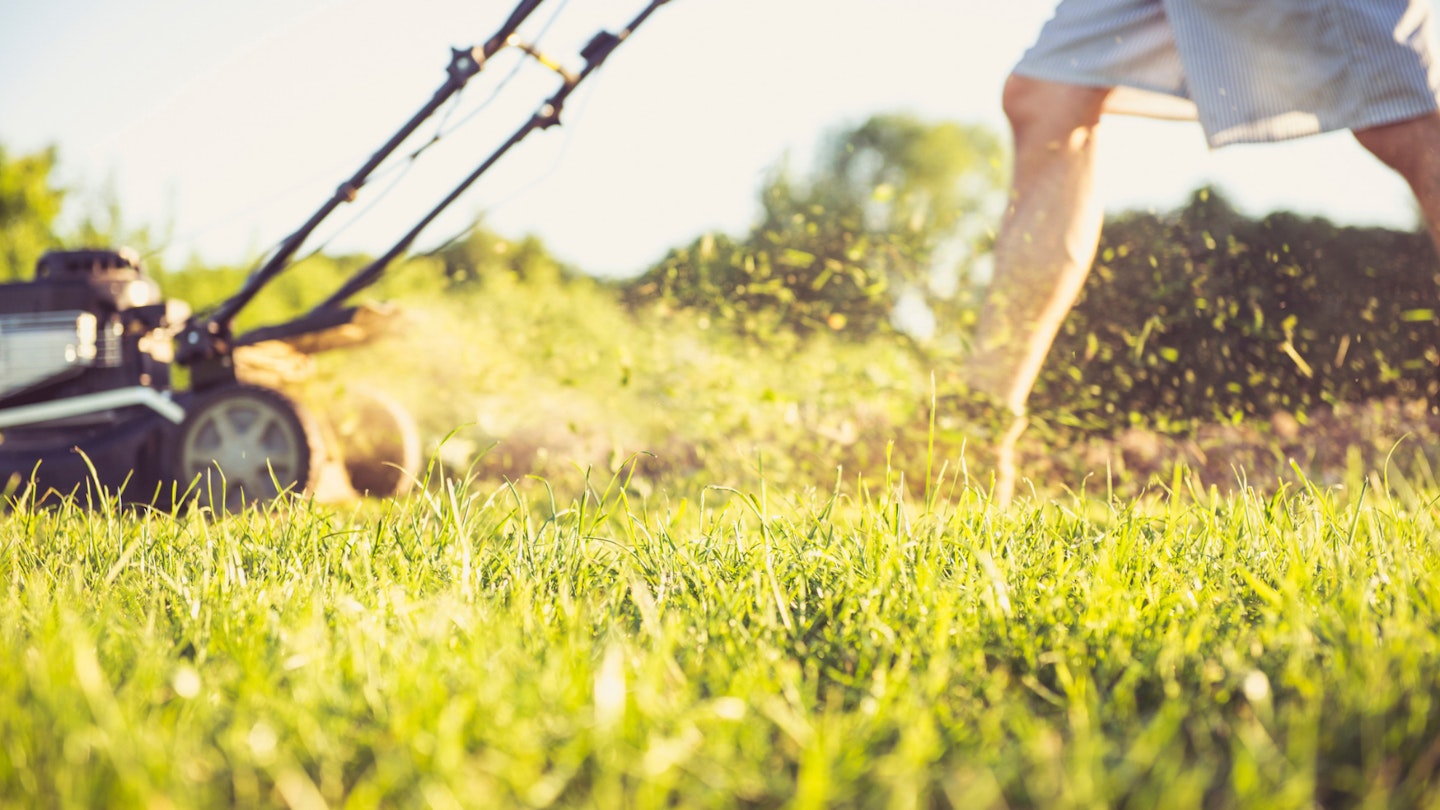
x=1046 y=244
x=1047 y=239
x=1412 y=148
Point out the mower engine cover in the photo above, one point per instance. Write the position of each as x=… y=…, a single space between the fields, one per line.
x=85 y=310
x=88 y=280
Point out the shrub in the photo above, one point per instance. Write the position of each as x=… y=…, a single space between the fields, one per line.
x=1205 y=312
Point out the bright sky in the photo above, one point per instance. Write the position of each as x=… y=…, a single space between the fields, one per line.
x=228 y=123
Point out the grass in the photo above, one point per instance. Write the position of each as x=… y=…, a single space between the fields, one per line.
x=743 y=576
x=753 y=649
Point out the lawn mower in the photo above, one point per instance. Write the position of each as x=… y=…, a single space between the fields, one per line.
x=89 y=401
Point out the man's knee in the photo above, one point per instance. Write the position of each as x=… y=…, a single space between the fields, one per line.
x=1051 y=110
x=1405 y=146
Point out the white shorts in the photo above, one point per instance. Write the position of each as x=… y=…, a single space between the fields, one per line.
x=1249 y=70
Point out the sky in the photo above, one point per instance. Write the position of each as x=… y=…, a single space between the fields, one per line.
x=222 y=126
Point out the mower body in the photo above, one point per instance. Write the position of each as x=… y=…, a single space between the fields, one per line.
x=87 y=404
x=85 y=394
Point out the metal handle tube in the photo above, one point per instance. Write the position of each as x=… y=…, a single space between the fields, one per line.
x=464 y=64
x=548 y=115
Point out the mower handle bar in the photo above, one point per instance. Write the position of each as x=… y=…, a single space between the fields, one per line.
x=548 y=115
x=209 y=338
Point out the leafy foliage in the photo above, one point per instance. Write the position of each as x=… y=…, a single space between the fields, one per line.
x=1206 y=312
x=29 y=204
x=837 y=249
x=483 y=254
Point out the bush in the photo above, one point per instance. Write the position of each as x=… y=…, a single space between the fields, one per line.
x=1205 y=313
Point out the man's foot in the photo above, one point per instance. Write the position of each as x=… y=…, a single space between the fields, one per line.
x=987 y=431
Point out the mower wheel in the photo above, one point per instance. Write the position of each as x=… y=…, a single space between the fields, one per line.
x=244 y=444
x=378 y=440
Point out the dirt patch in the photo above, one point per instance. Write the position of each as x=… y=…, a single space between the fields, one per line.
x=1330 y=446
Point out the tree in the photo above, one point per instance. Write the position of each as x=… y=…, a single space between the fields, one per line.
x=836 y=250
x=29 y=204
x=482 y=253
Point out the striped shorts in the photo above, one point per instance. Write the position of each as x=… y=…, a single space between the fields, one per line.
x=1249 y=70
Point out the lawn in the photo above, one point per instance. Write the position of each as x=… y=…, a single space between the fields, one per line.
x=654 y=566
x=475 y=647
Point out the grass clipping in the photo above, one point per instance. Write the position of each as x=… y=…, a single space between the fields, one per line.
x=466 y=648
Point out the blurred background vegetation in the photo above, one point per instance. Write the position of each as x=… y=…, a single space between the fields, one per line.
x=812 y=345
